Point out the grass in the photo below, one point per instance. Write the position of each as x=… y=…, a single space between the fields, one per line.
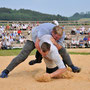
x=80 y=53
x=15 y=52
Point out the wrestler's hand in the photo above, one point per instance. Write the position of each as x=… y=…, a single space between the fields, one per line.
x=55 y=43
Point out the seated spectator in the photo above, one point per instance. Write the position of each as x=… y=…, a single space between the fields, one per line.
x=85 y=39
x=82 y=30
x=88 y=40
x=29 y=27
x=29 y=32
x=78 y=31
x=0 y=44
x=2 y=28
x=86 y=31
x=11 y=40
x=8 y=44
x=15 y=32
x=68 y=36
x=68 y=44
x=8 y=36
x=7 y=27
x=24 y=27
x=81 y=43
x=4 y=44
x=19 y=32
x=73 y=31
x=89 y=31
x=17 y=39
x=22 y=40
x=77 y=43
x=73 y=43
x=0 y=35
x=3 y=36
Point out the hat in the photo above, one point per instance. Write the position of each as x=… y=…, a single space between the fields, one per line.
x=55 y=22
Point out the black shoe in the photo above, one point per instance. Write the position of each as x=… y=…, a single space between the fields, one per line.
x=76 y=69
x=32 y=62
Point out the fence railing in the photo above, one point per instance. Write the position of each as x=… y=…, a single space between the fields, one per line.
x=60 y=22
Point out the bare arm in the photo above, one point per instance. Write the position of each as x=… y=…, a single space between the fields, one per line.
x=37 y=45
x=55 y=43
x=57 y=72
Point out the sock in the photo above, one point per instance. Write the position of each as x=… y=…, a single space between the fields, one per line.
x=6 y=71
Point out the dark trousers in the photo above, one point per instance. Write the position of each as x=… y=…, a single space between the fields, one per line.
x=38 y=56
x=51 y=70
x=28 y=47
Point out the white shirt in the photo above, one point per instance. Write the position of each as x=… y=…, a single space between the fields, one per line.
x=8 y=43
x=53 y=54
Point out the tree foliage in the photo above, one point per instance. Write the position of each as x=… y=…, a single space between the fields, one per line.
x=81 y=15
x=27 y=15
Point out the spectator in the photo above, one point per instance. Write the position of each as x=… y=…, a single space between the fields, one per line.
x=0 y=34
x=7 y=27
x=68 y=36
x=73 y=43
x=15 y=32
x=22 y=40
x=29 y=32
x=85 y=39
x=88 y=30
x=78 y=31
x=3 y=36
x=68 y=44
x=19 y=32
x=8 y=36
x=24 y=27
x=77 y=43
x=73 y=31
x=82 y=30
x=11 y=40
x=4 y=44
x=8 y=44
x=29 y=27
x=81 y=43
x=0 y=44
x=88 y=40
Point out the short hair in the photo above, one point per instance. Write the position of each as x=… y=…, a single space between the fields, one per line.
x=45 y=46
x=58 y=30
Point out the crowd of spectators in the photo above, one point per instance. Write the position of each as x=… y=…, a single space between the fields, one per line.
x=82 y=30
x=78 y=38
x=13 y=34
